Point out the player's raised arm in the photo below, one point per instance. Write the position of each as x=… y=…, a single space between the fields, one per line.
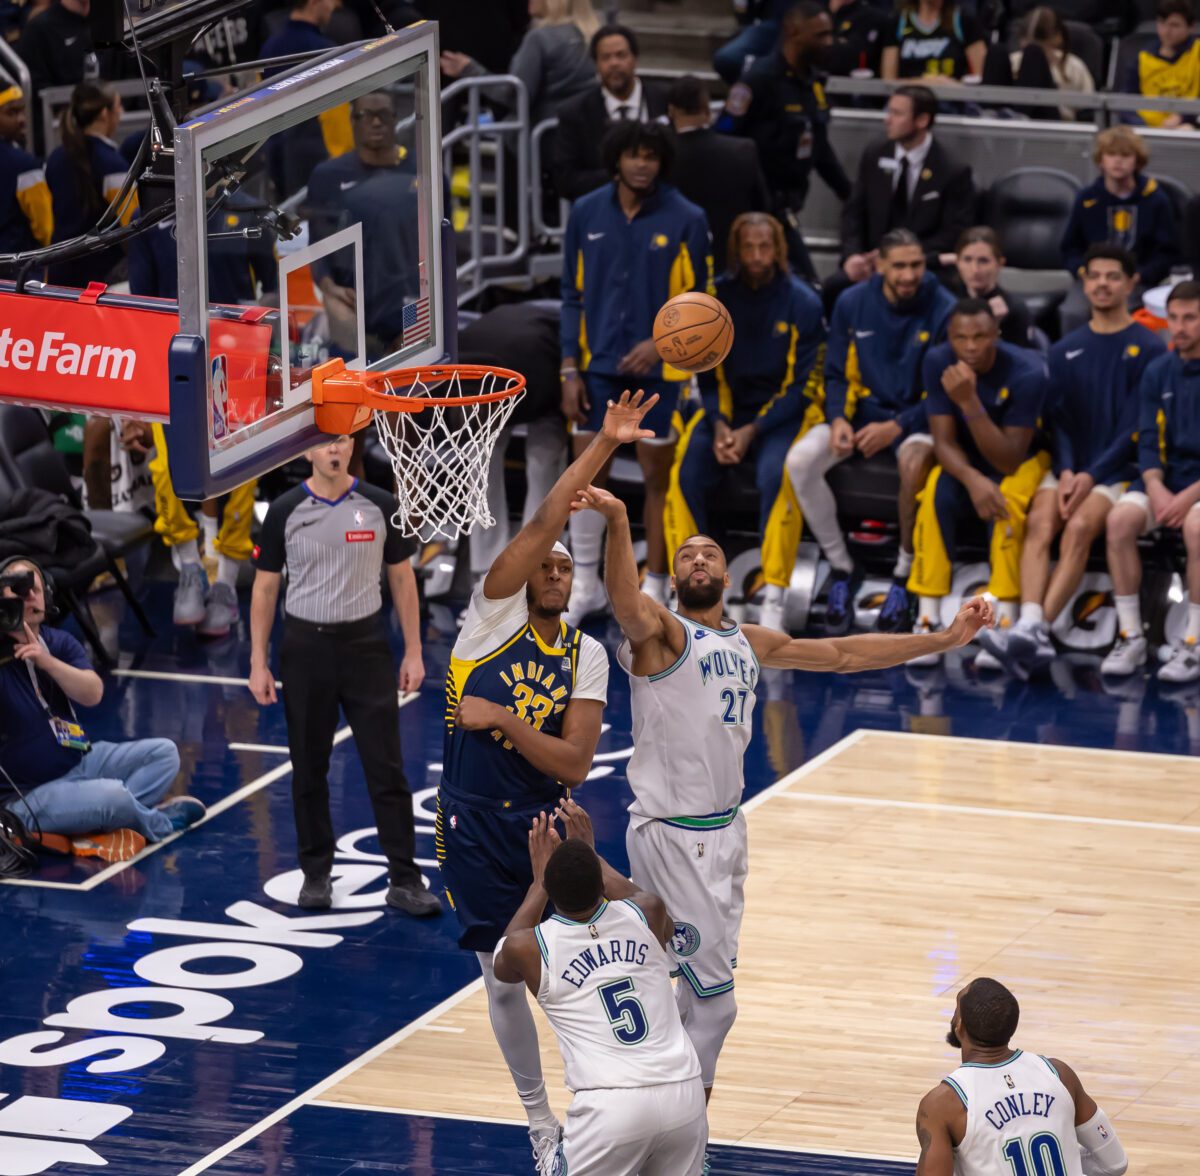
x=522 y=557
x=641 y=619
x=517 y=956
x=867 y=651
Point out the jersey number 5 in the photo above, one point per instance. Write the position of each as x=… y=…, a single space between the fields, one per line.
x=625 y=1012
x=1045 y=1156
x=735 y=706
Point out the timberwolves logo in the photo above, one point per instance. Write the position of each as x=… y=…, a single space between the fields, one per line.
x=686 y=940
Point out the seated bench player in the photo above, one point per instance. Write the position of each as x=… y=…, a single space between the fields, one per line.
x=878 y=337
x=1095 y=375
x=983 y=402
x=756 y=403
x=1167 y=494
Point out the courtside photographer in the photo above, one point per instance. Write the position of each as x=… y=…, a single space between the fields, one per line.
x=53 y=778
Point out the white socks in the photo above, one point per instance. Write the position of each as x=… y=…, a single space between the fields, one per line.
x=1031 y=614
x=185 y=553
x=657 y=586
x=904 y=562
x=1006 y=613
x=1129 y=615
x=210 y=527
x=929 y=609
x=227 y=571
x=774 y=595
x=516 y=1034
x=1192 y=633
x=587 y=537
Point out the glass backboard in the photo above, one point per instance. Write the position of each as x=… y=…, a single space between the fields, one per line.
x=309 y=227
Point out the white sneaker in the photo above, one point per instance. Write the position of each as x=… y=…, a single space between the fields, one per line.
x=1184 y=665
x=1126 y=657
x=926 y=626
x=545 y=1148
x=770 y=616
x=987 y=662
x=190 y=594
x=220 y=611
x=587 y=598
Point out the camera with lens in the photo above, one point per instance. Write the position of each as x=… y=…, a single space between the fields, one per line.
x=12 y=608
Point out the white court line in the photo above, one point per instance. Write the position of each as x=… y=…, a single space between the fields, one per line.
x=333 y=1079
x=976 y=741
x=979 y=810
x=271 y=747
x=332 y=1105
x=226 y=802
x=456 y=999
x=443 y=1029
x=172 y=676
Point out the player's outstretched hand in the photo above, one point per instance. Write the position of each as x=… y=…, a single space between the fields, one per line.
x=576 y=822
x=543 y=841
x=593 y=498
x=974 y=615
x=623 y=420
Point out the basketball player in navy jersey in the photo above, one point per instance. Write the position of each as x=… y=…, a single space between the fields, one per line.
x=693 y=674
x=1005 y=1112
x=524 y=697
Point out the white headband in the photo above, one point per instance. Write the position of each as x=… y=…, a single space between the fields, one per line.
x=559 y=548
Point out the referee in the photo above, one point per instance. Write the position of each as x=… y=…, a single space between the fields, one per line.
x=333 y=535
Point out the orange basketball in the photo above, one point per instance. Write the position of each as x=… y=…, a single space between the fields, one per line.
x=693 y=332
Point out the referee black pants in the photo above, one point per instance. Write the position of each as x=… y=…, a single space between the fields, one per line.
x=322 y=668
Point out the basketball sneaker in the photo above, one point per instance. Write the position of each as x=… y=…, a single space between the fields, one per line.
x=1029 y=648
x=1184 y=664
x=839 y=604
x=118 y=845
x=190 y=594
x=987 y=662
x=545 y=1141
x=895 y=614
x=1126 y=657
x=183 y=812
x=926 y=626
x=220 y=611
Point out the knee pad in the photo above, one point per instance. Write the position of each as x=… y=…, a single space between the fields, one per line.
x=708 y=1021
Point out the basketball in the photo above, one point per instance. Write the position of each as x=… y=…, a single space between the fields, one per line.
x=693 y=331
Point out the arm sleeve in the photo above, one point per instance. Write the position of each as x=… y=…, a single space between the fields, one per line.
x=935 y=401
x=66 y=648
x=572 y=290
x=836 y=354
x=1149 y=408
x=33 y=197
x=591 y=674
x=489 y=623
x=1027 y=397
x=529 y=65
x=1102 y=1154
x=271 y=552
x=803 y=371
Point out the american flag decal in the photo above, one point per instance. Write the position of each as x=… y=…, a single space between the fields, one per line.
x=415 y=321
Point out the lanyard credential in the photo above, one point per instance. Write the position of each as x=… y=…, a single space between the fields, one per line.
x=67 y=733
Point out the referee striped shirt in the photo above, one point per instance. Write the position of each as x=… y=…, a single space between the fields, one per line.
x=334 y=551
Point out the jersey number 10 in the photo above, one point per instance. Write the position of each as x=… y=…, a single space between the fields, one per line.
x=1044 y=1158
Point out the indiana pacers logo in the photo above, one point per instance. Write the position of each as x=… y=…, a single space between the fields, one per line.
x=686 y=940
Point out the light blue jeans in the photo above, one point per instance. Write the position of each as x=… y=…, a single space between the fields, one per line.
x=110 y=788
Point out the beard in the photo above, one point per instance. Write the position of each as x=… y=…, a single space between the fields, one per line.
x=699 y=595
x=952 y=1038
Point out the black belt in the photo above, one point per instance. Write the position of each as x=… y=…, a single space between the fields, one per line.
x=359 y=628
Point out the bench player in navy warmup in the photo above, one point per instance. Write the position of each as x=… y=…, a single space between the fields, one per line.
x=524 y=697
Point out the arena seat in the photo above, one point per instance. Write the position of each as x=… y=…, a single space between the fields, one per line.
x=1030 y=208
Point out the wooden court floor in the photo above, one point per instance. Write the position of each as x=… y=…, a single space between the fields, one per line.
x=884 y=874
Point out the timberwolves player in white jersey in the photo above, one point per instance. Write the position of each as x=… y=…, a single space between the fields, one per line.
x=1005 y=1112
x=600 y=970
x=693 y=677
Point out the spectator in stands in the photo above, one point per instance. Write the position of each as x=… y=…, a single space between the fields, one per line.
x=56 y=46
x=26 y=215
x=619 y=96
x=718 y=172
x=1043 y=62
x=373 y=186
x=304 y=32
x=761 y=21
x=85 y=174
x=859 y=29
x=100 y=794
x=979 y=259
x=1166 y=495
x=552 y=59
x=628 y=248
x=878 y=337
x=934 y=40
x=1170 y=69
x=780 y=103
x=1095 y=376
x=907 y=181
x=756 y=403
x=1123 y=207
x=983 y=402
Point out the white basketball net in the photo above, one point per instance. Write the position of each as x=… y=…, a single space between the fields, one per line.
x=441 y=455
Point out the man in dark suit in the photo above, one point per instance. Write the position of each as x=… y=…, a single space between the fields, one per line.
x=718 y=172
x=909 y=181
x=584 y=121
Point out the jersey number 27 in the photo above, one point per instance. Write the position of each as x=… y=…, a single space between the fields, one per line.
x=735 y=706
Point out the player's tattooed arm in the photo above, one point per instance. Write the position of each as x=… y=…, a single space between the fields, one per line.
x=933 y=1135
x=522 y=557
x=866 y=651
